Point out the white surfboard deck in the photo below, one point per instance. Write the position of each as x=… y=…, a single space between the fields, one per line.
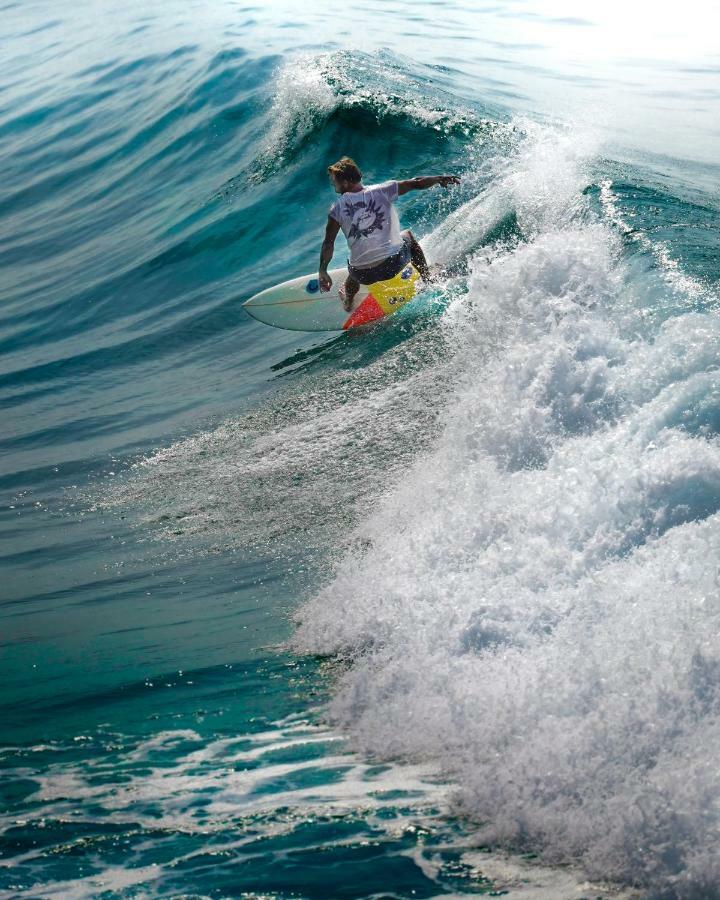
x=300 y=305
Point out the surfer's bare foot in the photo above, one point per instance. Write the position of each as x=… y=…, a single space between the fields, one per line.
x=348 y=291
x=346 y=301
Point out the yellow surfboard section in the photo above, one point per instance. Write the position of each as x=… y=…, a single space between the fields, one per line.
x=385 y=297
x=396 y=291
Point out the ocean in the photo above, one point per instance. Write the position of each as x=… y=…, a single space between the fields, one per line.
x=428 y=609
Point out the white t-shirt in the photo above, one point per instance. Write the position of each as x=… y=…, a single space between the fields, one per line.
x=370 y=223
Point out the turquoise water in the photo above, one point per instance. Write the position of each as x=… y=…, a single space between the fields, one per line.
x=426 y=610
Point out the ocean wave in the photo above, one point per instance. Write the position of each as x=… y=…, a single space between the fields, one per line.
x=360 y=94
x=509 y=490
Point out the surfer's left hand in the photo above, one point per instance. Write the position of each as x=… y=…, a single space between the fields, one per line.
x=325 y=281
x=447 y=180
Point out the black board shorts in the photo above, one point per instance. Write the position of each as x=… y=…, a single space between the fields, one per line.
x=386 y=268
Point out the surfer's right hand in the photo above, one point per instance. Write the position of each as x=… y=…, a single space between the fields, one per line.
x=325 y=281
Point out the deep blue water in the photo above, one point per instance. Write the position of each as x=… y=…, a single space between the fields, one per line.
x=426 y=610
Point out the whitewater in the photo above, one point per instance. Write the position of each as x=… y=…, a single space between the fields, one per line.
x=538 y=604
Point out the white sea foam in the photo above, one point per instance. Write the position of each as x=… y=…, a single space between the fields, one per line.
x=536 y=604
x=214 y=788
x=235 y=787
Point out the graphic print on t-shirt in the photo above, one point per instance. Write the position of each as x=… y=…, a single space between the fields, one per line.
x=366 y=217
x=369 y=222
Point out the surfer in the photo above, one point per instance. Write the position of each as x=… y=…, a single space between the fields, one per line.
x=369 y=221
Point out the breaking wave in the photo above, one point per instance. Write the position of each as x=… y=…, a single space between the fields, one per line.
x=535 y=605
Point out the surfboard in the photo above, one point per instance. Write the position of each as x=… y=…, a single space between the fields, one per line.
x=300 y=305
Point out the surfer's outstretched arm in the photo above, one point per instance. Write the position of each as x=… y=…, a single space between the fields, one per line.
x=426 y=181
x=326 y=253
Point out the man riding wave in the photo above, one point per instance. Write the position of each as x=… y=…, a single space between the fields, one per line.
x=369 y=221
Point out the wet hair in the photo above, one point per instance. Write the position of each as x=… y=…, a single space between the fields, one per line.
x=346 y=169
